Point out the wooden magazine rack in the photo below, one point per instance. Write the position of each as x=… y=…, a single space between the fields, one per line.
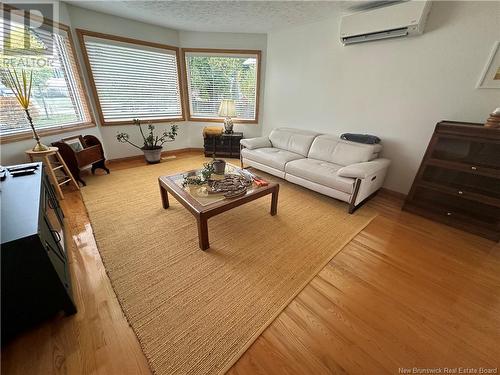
x=79 y=152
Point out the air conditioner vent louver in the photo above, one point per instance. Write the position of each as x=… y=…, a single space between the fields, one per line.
x=395 y=33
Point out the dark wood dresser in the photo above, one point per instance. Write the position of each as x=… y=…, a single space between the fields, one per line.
x=223 y=145
x=35 y=276
x=458 y=182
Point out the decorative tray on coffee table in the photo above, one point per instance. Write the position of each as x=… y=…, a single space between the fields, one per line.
x=231 y=185
x=219 y=187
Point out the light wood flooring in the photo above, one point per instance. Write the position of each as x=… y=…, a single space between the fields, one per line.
x=406 y=292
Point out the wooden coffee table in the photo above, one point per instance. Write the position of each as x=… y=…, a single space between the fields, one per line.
x=203 y=212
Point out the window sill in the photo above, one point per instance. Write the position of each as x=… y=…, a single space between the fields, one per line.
x=221 y=120
x=28 y=134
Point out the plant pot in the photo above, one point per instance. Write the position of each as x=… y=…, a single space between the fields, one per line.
x=219 y=166
x=152 y=155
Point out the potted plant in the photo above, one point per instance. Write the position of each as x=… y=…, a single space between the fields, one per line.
x=153 y=144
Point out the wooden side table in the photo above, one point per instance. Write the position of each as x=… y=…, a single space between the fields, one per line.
x=44 y=156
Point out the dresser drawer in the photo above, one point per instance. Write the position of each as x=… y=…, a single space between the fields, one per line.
x=49 y=199
x=455 y=220
x=478 y=152
x=454 y=207
x=54 y=248
x=464 y=167
x=476 y=187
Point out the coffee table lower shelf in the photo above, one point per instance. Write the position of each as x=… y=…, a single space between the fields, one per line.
x=203 y=213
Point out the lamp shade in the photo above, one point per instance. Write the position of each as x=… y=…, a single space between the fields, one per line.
x=227 y=108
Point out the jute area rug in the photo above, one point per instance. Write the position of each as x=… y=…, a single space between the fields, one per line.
x=197 y=312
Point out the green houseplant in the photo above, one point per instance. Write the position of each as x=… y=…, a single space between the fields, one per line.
x=153 y=144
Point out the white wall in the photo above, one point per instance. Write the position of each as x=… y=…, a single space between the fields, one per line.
x=396 y=89
x=190 y=133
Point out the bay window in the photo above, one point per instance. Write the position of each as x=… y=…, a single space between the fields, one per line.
x=214 y=75
x=132 y=78
x=58 y=101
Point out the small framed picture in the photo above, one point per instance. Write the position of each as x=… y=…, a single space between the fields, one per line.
x=490 y=77
x=76 y=143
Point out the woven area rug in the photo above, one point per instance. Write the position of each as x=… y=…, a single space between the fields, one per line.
x=197 y=312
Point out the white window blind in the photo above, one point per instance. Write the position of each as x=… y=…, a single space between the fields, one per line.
x=134 y=81
x=213 y=77
x=57 y=96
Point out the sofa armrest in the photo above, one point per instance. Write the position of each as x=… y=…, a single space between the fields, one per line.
x=363 y=170
x=259 y=142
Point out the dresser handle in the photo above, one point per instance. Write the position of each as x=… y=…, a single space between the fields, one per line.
x=50 y=203
x=473 y=168
x=460 y=192
x=56 y=235
x=448 y=214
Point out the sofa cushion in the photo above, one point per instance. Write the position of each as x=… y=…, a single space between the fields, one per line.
x=293 y=140
x=338 y=151
x=270 y=156
x=320 y=172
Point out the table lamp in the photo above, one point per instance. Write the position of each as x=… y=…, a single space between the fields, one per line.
x=227 y=110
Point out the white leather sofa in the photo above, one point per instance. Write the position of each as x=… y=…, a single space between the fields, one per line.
x=348 y=171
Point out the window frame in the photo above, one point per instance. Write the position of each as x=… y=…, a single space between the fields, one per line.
x=187 y=104
x=82 y=33
x=53 y=130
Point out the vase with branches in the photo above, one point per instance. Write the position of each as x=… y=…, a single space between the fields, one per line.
x=152 y=144
x=22 y=91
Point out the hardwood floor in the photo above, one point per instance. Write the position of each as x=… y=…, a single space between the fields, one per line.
x=406 y=292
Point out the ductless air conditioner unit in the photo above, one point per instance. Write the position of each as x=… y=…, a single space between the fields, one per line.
x=402 y=19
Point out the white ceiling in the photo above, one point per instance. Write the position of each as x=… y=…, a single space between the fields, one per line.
x=222 y=16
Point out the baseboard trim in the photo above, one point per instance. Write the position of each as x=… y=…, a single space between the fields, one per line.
x=392 y=193
x=383 y=190
x=163 y=154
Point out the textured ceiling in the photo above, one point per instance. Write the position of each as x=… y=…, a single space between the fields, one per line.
x=222 y=16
